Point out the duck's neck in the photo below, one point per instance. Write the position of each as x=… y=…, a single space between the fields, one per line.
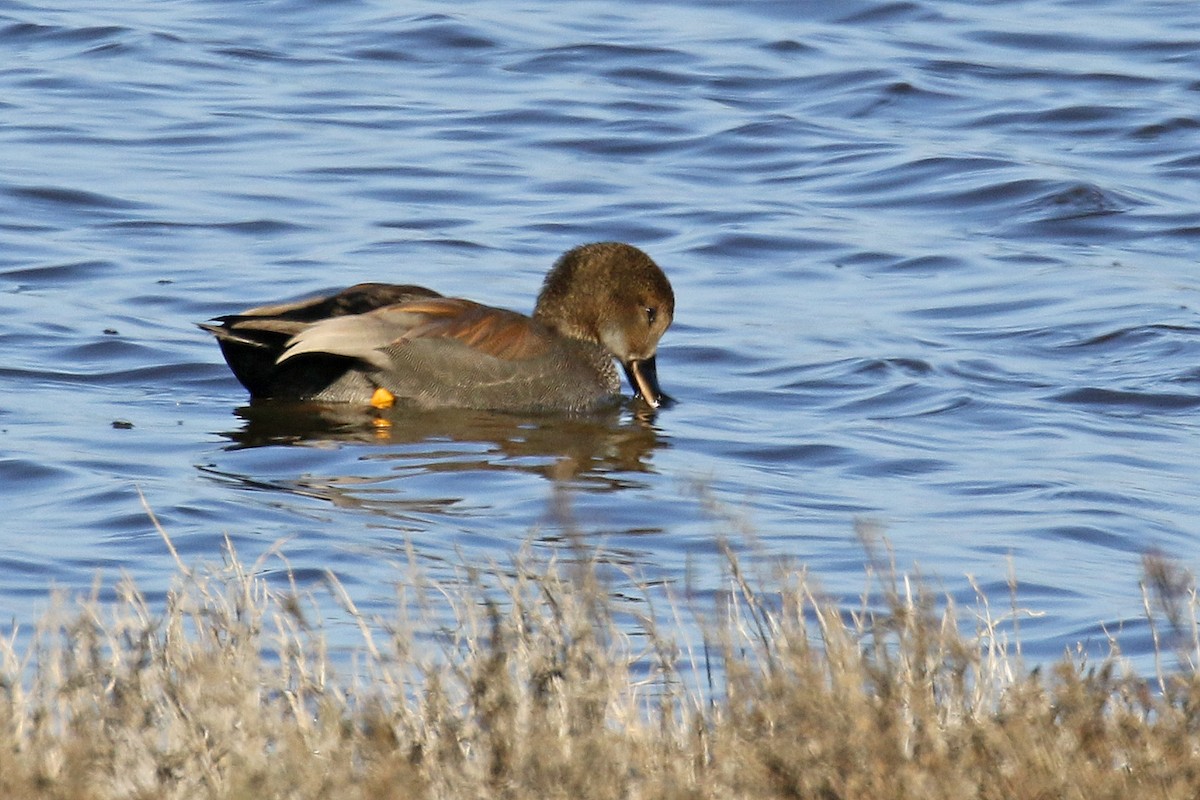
x=574 y=326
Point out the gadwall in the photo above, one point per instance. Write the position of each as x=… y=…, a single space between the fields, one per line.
x=380 y=343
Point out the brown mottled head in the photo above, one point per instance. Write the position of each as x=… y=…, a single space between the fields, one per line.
x=614 y=295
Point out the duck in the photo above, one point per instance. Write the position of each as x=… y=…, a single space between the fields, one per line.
x=387 y=344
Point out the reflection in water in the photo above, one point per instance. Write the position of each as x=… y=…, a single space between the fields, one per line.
x=577 y=445
x=598 y=452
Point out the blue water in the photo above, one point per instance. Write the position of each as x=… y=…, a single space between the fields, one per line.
x=935 y=266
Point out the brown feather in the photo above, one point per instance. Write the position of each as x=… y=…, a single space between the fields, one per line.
x=495 y=331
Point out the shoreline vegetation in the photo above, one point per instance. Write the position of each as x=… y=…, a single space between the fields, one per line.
x=543 y=691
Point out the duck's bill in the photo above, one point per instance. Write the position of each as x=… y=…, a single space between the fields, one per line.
x=643 y=378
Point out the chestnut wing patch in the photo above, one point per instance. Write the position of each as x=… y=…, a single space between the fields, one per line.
x=495 y=332
x=499 y=333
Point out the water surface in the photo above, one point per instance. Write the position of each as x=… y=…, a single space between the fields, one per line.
x=935 y=265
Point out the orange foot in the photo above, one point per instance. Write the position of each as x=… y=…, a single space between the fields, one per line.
x=383 y=398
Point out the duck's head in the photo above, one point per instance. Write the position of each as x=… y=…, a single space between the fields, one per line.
x=614 y=295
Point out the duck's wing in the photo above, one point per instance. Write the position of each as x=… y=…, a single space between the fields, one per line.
x=452 y=352
x=376 y=336
x=272 y=325
x=252 y=341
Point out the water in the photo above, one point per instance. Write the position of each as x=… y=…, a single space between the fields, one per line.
x=935 y=265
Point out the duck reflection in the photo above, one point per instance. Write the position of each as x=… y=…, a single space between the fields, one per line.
x=599 y=445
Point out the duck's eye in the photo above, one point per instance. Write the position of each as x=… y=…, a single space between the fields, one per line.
x=651 y=314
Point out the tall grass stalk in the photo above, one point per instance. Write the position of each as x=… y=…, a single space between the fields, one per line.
x=544 y=689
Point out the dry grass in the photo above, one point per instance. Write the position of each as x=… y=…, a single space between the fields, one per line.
x=228 y=693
